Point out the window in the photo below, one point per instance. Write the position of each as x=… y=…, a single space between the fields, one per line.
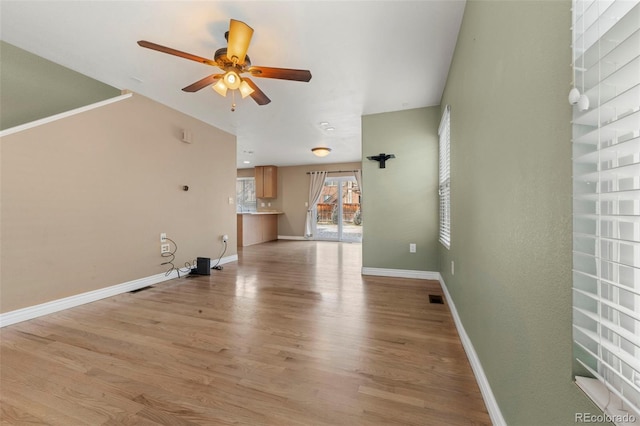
x=246 y=195
x=606 y=201
x=444 y=180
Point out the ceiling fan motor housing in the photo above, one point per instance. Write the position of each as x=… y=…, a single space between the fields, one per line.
x=225 y=63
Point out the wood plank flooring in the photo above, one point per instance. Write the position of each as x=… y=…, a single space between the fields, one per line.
x=291 y=334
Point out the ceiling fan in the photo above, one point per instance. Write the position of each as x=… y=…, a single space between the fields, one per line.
x=233 y=60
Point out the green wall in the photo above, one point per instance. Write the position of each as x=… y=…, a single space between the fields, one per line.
x=511 y=204
x=400 y=202
x=32 y=88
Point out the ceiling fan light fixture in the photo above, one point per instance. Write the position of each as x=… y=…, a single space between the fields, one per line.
x=321 y=151
x=232 y=80
x=220 y=87
x=245 y=89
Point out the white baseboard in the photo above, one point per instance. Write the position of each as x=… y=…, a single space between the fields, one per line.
x=226 y=259
x=46 y=308
x=476 y=366
x=401 y=273
x=291 y=237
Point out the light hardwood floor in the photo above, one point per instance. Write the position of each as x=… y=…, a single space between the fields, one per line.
x=290 y=335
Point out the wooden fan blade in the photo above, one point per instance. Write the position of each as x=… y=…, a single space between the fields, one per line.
x=281 y=73
x=170 y=51
x=238 y=43
x=201 y=84
x=257 y=95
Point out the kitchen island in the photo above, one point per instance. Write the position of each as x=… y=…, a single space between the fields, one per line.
x=257 y=227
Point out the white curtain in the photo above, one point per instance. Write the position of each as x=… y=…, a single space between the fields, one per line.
x=316 y=183
x=358 y=175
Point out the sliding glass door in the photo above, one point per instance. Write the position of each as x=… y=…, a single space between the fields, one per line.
x=338 y=215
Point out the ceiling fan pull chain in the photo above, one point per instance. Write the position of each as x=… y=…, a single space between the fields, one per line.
x=233 y=102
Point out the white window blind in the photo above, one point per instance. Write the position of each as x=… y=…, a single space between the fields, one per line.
x=606 y=200
x=444 y=180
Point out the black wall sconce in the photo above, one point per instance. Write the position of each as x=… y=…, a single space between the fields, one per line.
x=382 y=158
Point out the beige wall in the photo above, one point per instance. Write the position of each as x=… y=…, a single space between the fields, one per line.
x=511 y=204
x=293 y=192
x=85 y=198
x=400 y=202
x=246 y=172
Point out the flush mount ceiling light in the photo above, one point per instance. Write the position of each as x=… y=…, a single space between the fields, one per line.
x=321 y=151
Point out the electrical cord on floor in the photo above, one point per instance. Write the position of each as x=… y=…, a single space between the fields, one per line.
x=172 y=255
x=217 y=265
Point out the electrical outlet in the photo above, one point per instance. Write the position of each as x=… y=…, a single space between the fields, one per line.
x=163 y=237
x=225 y=238
x=164 y=248
x=412 y=248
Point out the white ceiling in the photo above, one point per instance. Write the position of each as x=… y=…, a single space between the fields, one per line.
x=366 y=57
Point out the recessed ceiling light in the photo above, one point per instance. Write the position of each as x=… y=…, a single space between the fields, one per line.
x=247 y=162
x=324 y=123
x=330 y=129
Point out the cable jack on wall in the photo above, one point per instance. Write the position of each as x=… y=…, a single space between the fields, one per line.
x=217 y=266
x=171 y=254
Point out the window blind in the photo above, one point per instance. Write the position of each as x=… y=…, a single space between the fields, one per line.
x=444 y=179
x=606 y=195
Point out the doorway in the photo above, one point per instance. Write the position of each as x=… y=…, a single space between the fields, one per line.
x=338 y=215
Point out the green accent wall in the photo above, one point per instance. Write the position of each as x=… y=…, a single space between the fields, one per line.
x=32 y=88
x=511 y=204
x=400 y=202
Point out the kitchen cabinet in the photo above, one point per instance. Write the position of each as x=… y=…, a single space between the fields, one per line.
x=266 y=181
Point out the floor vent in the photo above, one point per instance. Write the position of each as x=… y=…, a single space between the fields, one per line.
x=141 y=289
x=436 y=298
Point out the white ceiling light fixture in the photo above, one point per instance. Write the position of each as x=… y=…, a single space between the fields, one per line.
x=321 y=151
x=245 y=89
x=220 y=87
x=231 y=80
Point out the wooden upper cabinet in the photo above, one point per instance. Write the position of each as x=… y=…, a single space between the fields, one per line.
x=266 y=181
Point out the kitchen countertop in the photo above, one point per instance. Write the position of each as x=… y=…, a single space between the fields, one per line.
x=263 y=212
